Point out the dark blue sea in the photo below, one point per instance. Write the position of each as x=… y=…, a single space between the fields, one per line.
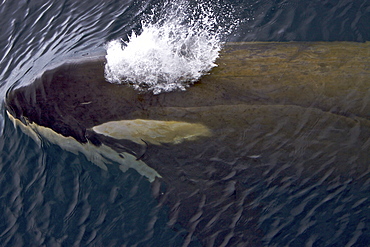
x=51 y=197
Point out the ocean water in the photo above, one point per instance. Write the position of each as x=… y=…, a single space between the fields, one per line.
x=50 y=197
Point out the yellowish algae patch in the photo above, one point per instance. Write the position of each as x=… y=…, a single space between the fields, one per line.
x=152 y=131
x=99 y=155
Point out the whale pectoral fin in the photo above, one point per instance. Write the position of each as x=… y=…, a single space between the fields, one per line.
x=126 y=161
x=123 y=168
x=152 y=131
x=96 y=158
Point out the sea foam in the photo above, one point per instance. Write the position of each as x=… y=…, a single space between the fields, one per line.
x=171 y=52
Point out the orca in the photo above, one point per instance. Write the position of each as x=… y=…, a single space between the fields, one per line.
x=297 y=108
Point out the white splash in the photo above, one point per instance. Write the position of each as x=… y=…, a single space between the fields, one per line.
x=169 y=54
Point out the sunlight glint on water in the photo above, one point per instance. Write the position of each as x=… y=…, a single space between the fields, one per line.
x=170 y=53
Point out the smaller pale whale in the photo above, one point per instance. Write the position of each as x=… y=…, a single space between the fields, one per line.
x=155 y=132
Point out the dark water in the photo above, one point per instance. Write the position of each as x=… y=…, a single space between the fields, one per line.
x=50 y=197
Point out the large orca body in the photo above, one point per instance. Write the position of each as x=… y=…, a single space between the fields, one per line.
x=301 y=109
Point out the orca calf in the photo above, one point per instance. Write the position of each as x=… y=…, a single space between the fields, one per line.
x=268 y=112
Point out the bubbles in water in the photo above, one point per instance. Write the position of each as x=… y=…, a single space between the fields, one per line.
x=174 y=49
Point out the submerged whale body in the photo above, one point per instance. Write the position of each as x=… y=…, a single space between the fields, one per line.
x=267 y=112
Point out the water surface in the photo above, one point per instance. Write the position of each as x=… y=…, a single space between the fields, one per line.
x=55 y=198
